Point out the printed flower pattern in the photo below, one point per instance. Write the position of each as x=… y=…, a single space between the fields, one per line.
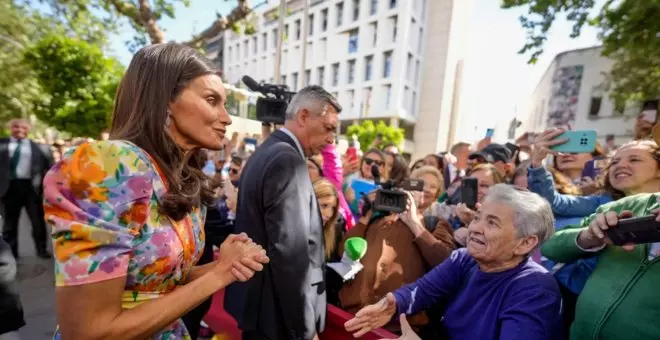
x=101 y=201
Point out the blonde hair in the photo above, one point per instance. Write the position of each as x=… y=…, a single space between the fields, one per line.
x=497 y=177
x=323 y=188
x=433 y=171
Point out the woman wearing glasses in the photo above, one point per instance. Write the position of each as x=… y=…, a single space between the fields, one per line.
x=373 y=157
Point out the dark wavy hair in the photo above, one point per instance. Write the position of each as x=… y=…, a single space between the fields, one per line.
x=155 y=77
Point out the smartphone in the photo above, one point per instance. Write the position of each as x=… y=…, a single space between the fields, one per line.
x=469 y=187
x=580 y=141
x=650 y=116
x=412 y=185
x=636 y=230
x=351 y=152
x=490 y=132
x=594 y=167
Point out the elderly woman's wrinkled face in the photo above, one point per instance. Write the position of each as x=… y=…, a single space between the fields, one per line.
x=198 y=118
x=492 y=237
x=432 y=189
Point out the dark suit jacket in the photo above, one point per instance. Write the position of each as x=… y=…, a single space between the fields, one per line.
x=42 y=160
x=11 y=311
x=278 y=209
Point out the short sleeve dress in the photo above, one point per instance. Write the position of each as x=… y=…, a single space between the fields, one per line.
x=101 y=201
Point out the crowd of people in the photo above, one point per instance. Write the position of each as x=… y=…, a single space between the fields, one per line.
x=149 y=223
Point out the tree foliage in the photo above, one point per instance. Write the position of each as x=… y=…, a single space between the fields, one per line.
x=628 y=29
x=79 y=80
x=367 y=132
x=144 y=17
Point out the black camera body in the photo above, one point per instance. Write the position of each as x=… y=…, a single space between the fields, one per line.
x=271 y=108
x=393 y=199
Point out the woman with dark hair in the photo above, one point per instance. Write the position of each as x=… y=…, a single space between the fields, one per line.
x=396 y=167
x=372 y=158
x=127 y=214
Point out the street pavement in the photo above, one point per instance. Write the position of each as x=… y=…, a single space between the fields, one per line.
x=36 y=285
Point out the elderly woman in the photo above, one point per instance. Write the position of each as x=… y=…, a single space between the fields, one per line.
x=492 y=289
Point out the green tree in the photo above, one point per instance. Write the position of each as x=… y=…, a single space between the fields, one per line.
x=367 y=132
x=144 y=17
x=80 y=83
x=628 y=29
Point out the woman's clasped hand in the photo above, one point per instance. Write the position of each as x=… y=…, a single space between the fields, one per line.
x=240 y=257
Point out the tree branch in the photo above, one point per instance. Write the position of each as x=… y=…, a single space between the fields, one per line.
x=142 y=16
x=240 y=12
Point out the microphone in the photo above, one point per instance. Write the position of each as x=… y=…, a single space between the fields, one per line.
x=251 y=84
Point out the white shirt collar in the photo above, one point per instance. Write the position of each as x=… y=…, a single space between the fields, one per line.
x=295 y=140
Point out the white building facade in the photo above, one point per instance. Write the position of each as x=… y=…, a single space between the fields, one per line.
x=399 y=61
x=574 y=91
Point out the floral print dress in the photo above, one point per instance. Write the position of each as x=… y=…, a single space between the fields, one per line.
x=101 y=201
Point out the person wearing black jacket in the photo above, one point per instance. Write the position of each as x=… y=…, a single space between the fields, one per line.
x=11 y=310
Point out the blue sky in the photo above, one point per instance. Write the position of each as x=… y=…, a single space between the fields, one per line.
x=497 y=79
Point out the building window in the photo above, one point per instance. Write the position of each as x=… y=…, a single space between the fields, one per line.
x=413 y=103
x=351 y=71
x=335 y=74
x=245 y=47
x=275 y=37
x=254 y=45
x=387 y=64
x=356 y=10
x=392 y=4
x=229 y=55
x=374 y=7
x=367 y=101
x=264 y=41
x=594 y=107
x=284 y=80
x=368 y=65
x=311 y=24
x=324 y=20
x=417 y=73
x=393 y=22
x=297 y=29
x=353 y=40
x=321 y=75
x=294 y=78
x=387 y=89
x=351 y=99
x=409 y=67
x=308 y=77
x=419 y=40
x=340 y=13
x=374 y=33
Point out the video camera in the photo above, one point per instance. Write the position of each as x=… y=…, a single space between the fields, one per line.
x=391 y=197
x=272 y=107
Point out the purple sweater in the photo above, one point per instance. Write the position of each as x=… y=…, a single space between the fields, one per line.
x=519 y=303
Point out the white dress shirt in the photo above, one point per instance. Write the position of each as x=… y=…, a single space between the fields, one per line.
x=24 y=162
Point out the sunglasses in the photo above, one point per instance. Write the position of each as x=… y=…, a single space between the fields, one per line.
x=370 y=161
x=233 y=171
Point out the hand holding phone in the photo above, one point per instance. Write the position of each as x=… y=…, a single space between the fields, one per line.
x=635 y=230
x=580 y=141
x=490 y=132
x=351 y=153
x=469 y=192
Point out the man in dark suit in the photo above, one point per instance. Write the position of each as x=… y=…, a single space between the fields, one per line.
x=277 y=208
x=23 y=164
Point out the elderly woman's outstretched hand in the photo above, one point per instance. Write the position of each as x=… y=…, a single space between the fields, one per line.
x=596 y=234
x=372 y=317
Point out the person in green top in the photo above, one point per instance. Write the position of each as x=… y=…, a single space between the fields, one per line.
x=621 y=299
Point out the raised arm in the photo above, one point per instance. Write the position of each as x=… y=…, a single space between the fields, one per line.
x=287 y=228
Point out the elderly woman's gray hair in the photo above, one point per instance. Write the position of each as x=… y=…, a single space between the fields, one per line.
x=313 y=98
x=533 y=214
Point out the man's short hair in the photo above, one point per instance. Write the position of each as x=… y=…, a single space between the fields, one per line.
x=457 y=146
x=313 y=98
x=17 y=121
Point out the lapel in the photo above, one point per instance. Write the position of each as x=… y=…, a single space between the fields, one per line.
x=35 y=160
x=285 y=138
x=4 y=151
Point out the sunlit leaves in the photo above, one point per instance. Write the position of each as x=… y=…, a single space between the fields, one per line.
x=367 y=131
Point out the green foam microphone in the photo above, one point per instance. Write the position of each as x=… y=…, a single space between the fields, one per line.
x=349 y=265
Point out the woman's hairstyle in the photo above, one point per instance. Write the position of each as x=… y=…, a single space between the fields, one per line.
x=323 y=188
x=532 y=213
x=399 y=172
x=440 y=159
x=430 y=170
x=497 y=177
x=416 y=164
x=373 y=151
x=563 y=184
x=653 y=149
x=155 y=77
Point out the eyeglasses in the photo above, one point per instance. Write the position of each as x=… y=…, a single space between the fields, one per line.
x=370 y=161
